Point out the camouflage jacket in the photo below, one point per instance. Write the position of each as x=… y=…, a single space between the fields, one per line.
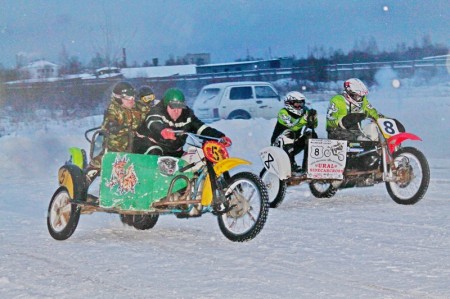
x=119 y=125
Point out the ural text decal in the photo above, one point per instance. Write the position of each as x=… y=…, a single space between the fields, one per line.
x=122 y=176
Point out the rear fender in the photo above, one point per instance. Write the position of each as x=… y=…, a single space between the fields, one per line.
x=72 y=177
x=396 y=140
x=219 y=168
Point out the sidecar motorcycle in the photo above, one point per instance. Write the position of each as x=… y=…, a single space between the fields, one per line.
x=376 y=156
x=142 y=187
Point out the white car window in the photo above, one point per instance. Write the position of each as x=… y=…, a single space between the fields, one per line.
x=265 y=92
x=241 y=93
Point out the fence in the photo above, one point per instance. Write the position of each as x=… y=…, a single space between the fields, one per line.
x=73 y=96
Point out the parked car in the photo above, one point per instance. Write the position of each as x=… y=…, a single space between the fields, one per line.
x=237 y=100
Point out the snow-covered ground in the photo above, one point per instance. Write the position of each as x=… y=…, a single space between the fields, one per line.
x=358 y=244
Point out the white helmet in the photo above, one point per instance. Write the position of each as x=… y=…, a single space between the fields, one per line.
x=355 y=89
x=294 y=102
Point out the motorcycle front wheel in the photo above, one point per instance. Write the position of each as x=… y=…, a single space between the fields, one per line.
x=276 y=188
x=247 y=195
x=62 y=215
x=412 y=176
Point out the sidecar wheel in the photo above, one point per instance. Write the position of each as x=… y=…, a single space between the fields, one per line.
x=322 y=189
x=412 y=176
x=276 y=188
x=126 y=219
x=144 y=222
x=62 y=216
x=245 y=220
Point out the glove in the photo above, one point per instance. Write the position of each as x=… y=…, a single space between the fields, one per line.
x=312 y=116
x=168 y=134
x=312 y=113
x=226 y=141
x=289 y=134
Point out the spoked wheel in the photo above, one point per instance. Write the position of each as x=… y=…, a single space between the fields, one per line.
x=247 y=193
x=412 y=176
x=322 y=189
x=276 y=188
x=62 y=216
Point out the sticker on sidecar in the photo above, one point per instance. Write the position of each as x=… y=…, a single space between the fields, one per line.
x=326 y=159
x=134 y=181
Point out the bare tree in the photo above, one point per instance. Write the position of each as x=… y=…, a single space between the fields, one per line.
x=111 y=41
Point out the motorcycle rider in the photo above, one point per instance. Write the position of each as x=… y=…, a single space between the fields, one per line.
x=120 y=122
x=146 y=100
x=352 y=100
x=168 y=115
x=290 y=122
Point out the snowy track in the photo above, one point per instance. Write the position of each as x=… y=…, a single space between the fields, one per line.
x=357 y=244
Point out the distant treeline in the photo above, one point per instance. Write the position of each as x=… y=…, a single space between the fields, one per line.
x=317 y=58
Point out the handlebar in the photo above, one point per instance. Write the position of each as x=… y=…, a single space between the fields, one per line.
x=197 y=137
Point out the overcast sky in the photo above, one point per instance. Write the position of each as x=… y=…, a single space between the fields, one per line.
x=227 y=29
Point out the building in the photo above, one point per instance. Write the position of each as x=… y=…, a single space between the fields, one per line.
x=40 y=69
x=245 y=66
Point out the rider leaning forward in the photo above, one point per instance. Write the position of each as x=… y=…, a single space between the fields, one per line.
x=290 y=122
x=352 y=100
x=169 y=115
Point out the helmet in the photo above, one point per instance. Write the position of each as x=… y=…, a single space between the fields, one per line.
x=355 y=89
x=294 y=102
x=123 y=89
x=146 y=94
x=174 y=98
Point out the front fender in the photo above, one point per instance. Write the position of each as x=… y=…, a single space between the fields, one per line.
x=396 y=140
x=219 y=168
x=71 y=177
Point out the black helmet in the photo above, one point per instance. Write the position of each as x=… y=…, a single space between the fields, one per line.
x=122 y=89
x=146 y=94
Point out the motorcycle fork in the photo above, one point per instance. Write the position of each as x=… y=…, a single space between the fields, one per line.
x=218 y=197
x=388 y=159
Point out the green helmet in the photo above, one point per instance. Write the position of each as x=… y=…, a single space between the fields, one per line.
x=174 y=98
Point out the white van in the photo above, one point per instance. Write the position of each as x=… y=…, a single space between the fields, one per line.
x=237 y=100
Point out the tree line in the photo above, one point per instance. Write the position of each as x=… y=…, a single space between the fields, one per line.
x=317 y=58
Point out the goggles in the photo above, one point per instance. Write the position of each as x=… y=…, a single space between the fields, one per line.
x=298 y=104
x=148 y=98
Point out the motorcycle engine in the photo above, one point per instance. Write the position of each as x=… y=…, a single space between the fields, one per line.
x=358 y=160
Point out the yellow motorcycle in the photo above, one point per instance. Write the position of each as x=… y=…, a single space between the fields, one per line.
x=142 y=187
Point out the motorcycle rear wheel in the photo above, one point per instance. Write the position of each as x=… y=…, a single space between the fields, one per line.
x=322 y=189
x=62 y=216
x=276 y=188
x=413 y=177
x=246 y=219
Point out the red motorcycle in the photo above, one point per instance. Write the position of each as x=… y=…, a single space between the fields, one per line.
x=376 y=156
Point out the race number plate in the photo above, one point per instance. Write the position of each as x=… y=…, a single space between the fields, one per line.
x=326 y=159
x=388 y=127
